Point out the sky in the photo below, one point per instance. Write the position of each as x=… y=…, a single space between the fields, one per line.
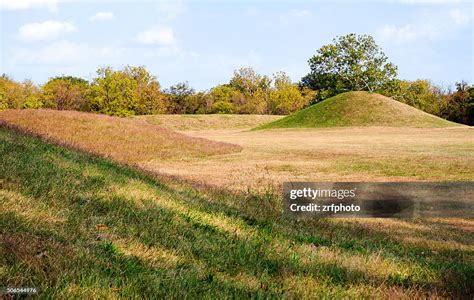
x=203 y=42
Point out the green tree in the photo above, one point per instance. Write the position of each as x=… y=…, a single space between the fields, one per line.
x=197 y=103
x=226 y=94
x=459 y=106
x=255 y=89
x=420 y=93
x=256 y=103
x=10 y=93
x=17 y=95
x=31 y=95
x=112 y=93
x=351 y=63
x=149 y=98
x=65 y=93
x=286 y=97
x=247 y=81
x=125 y=92
x=178 y=98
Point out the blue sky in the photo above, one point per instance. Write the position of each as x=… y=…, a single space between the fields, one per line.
x=203 y=42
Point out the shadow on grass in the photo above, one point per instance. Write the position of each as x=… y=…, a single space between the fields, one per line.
x=222 y=244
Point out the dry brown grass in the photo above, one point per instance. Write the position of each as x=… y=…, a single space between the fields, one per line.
x=125 y=140
x=268 y=157
x=206 y=122
x=340 y=154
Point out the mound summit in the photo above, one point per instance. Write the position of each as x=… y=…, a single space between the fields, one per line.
x=359 y=109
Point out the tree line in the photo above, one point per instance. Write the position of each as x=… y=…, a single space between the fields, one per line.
x=350 y=63
x=134 y=91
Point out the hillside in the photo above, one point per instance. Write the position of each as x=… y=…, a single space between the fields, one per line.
x=359 y=109
x=125 y=140
x=76 y=226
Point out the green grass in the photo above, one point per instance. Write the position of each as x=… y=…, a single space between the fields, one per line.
x=358 y=109
x=74 y=225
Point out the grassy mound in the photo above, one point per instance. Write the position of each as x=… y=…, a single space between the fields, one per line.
x=125 y=140
x=359 y=109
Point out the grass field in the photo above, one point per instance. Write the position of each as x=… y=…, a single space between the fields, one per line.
x=209 y=122
x=76 y=225
x=271 y=157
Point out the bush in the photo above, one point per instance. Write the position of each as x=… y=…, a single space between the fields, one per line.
x=223 y=107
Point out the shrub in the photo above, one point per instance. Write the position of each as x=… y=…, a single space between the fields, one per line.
x=223 y=107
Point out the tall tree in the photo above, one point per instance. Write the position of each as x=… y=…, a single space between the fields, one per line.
x=351 y=63
x=150 y=99
x=112 y=93
x=247 y=81
x=255 y=88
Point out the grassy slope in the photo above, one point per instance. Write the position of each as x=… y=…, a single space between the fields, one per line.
x=78 y=226
x=209 y=122
x=125 y=140
x=359 y=109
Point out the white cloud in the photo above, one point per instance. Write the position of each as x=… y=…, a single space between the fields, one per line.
x=169 y=10
x=60 y=52
x=159 y=35
x=252 y=11
x=459 y=17
x=299 y=13
x=401 y=34
x=432 y=28
x=102 y=16
x=28 y=4
x=47 y=30
x=294 y=14
x=64 y=52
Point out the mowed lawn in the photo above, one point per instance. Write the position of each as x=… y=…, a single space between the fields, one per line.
x=77 y=225
x=73 y=225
